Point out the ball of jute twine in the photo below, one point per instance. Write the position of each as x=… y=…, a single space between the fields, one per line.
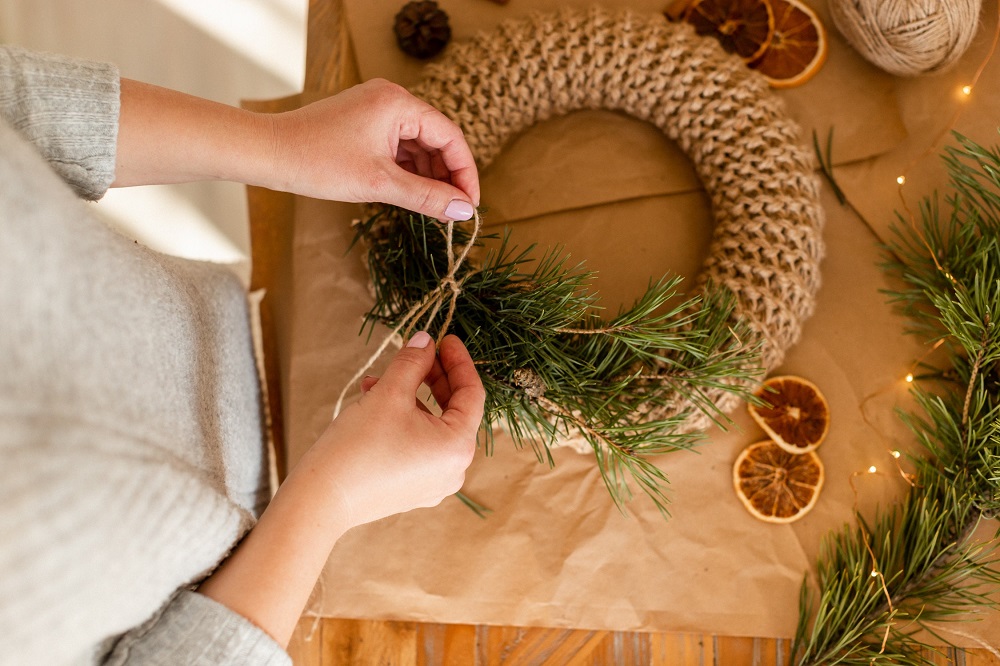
x=767 y=243
x=908 y=37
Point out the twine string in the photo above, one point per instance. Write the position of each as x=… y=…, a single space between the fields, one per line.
x=448 y=289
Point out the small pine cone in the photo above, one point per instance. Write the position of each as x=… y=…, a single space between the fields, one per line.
x=422 y=29
x=529 y=381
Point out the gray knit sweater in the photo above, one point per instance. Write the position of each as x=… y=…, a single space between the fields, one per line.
x=131 y=453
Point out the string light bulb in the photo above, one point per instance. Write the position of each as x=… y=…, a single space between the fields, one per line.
x=966 y=90
x=900 y=179
x=874 y=573
x=895 y=454
x=872 y=469
x=909 y=378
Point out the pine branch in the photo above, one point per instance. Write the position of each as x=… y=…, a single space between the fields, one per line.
x=553 y=364
x=921 y=550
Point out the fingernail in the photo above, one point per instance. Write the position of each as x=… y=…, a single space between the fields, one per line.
x=421 y=339
x=458 y=210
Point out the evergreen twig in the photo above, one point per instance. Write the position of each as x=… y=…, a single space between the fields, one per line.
x=552 y=365
x=948 y=270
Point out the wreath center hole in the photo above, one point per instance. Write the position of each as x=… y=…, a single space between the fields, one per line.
x=613 y=191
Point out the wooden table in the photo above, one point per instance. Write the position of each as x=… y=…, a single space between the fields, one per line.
x=330 y=66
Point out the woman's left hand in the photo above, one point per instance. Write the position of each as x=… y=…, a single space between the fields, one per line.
x=372 y=142
x=377 y=142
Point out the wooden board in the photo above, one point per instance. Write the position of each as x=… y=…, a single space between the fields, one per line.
x=329 y=641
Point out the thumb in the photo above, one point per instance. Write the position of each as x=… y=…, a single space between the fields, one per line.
x=412 y=364
x=427 y=196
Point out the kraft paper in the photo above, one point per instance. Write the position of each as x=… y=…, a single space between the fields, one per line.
x=555 y=551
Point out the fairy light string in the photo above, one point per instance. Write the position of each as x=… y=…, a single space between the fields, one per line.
x=966 y=92
x=876 y=571
x=910 y=377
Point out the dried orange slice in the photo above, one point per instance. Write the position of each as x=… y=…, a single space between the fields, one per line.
x=743 y=27
x=798 y=417
x=775 y=485
x=797 y=49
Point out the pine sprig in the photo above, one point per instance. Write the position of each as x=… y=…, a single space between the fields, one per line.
x=554 y=365
x=885 y=586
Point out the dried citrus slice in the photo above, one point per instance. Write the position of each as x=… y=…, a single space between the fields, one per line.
x=797 y=418
x=743 y=27
x=797 y=49
x=775 y=485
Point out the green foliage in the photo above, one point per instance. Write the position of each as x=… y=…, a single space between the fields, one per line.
x=551 y=364
x=948 y=269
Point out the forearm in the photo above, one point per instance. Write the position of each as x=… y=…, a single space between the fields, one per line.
x=372 y=142
x=270 y=575
x=165 y=136
x=385 y=454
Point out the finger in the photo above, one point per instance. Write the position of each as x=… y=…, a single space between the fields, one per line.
x=465 y=408
x=408 y=369
x=435 y=131
x=437 y=381
x=367 y=383
x=464 y=176
x=405 y=160
x=438 y=169
x=466 y=179
x=427 y=196
x=419 y=156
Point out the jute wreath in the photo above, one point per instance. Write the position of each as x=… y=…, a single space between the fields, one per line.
x=644 y=382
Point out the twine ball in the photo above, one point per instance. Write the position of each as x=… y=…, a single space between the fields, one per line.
x=908 y=37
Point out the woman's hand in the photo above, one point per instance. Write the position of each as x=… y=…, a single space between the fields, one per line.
x=383 y=455
x=372 y=142
x=377 y=142
x=387 y=453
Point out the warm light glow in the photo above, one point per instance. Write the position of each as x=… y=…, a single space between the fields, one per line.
x=895 y=454
x=900 y=179
x=872 y=469
x=874 y=574
x=909 y=378
x=967 y=90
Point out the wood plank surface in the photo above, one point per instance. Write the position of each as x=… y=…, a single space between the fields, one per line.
x=330 y=66
x=331 y=641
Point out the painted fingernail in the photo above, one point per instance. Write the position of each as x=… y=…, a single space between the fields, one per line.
x=458 y=210
x=421 y=339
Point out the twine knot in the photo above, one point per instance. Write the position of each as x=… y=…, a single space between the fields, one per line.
x=427 y=308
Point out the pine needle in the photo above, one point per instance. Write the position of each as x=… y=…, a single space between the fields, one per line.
x=554 y=365
x=947 y=271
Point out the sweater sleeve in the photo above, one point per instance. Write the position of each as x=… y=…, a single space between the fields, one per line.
x=68 y=109
x=197 y=631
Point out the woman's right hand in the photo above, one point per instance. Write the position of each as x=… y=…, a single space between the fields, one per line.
x=386 y=453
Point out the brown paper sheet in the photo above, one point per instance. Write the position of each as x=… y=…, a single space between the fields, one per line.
x=848 y=93
x=555 y=551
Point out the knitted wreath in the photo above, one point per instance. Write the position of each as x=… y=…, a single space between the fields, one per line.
x=644 y=381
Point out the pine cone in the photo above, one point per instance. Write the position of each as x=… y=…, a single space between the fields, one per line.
x=529 y=381
x=422 y=29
